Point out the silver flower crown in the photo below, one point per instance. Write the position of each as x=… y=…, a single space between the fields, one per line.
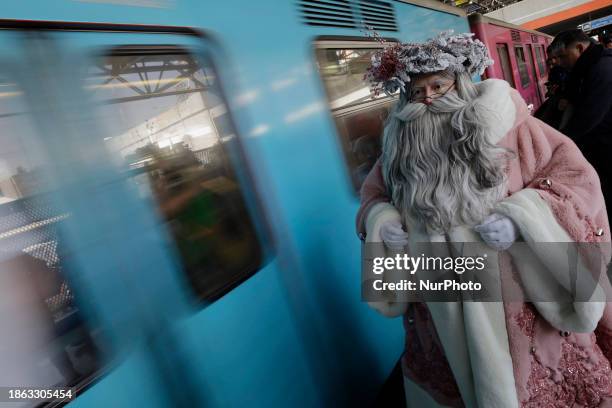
x=392 y=66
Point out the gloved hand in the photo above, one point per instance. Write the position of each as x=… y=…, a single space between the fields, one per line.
x=389 y=309
x=498 y=231
x=393 y=235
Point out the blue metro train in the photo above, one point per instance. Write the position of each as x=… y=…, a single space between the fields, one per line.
x=178 y=186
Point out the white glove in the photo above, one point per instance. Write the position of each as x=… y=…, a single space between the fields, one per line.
x=393 y=235
x=498 y=231
x=389 y=309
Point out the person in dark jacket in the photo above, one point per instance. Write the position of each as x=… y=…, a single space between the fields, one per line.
x=606 y=39
x=553 y=110
x=589 y=90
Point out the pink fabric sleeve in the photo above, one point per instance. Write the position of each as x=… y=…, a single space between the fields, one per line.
x=372 y=192
x=552 y=164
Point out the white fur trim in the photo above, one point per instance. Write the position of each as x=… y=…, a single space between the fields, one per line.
x=494 y=94
x=389 y=309
x=474 y=334
x=377 y=216
x=545 y=269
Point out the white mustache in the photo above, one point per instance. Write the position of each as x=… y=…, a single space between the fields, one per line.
x=449 y=103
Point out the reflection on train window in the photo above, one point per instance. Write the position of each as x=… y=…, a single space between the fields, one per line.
x=342 y=70
x=522 y=65
x=504 y=57
x=172 y=130
x=539 y=50
x=361 y=132
x=45 y=341
x=359 y=117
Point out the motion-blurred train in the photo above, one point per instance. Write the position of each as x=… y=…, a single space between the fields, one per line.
x=178 y=186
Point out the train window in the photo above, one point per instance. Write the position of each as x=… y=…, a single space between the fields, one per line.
x=45 y=341
x=359 y=117
x=504 y=57
x=539 y=50
x=530 y=61
x=519 y=52
x=171 y=130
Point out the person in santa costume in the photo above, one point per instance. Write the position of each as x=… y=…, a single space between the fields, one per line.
x=466 y=162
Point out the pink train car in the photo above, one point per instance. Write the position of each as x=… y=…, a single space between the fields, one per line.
x=519 y=54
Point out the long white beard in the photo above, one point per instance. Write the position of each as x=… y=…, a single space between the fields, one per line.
x=439 y=166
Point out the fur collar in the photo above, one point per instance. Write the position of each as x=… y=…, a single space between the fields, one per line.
x=496 y=95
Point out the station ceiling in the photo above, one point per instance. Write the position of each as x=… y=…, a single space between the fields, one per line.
x=479 y=6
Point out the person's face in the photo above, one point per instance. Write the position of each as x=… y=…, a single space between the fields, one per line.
x=426 y=88
x=569 y=55
x=608 y=45
x=552 y=61
x=552 y=88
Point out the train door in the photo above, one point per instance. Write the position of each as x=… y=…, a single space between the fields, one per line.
x=534 y=72
x=160 y=230
x=506 y=66
x=542 y=72
x=527 y=88
x=76 y=245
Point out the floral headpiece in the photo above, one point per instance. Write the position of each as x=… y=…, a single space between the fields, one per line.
x=392 y=66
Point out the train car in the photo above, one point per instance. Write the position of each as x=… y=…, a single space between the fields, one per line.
x=178 y=190
x=519 y=55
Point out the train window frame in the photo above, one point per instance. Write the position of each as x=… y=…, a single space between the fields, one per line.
x=540 y=59
x=507 y=71
x=522 y=65
x=363 y=107
x=247 y=185
x=247 y=181
x=531 y=61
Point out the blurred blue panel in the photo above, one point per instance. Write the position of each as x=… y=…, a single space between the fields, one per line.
x=249 y=351
x=133 y=383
